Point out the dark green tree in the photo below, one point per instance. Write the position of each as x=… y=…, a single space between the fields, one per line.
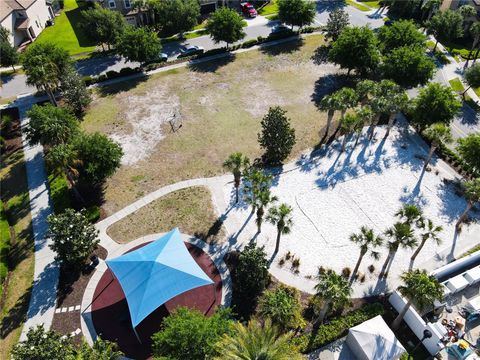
x=337 y=21
x=225 y=24
x=74 y=238
x=44 y=64
x=100 y=157
x=408 y=66
x=101 y=350
x=9 y=56
x=236 y=163
x=469 y=149
x=471 y=192
x=296 y=12
x=103 y=26
x=435 y=103
x=277 y=136
x=446 y=26
x=50 y=125
x=138 y=44
x=257 y=181
x=43 y=344
x=356 y=49
x=472 y=77
x=75 y=93
x=177 y=16
x=282 y=306
x=399 y=34
x=189 y=334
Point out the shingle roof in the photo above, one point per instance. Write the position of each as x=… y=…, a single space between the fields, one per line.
x=9 y=6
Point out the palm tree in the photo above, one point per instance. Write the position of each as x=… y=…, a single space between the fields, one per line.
x=419 y=287
x=256 y=181
x=334 y=290
x=280 y=216
x=329 y=103
x=366 y=116
x=366 y=90
x=402 y=235
x=397 y=100
x=431 y=232
x=437 y=133
x=101 y=349
x=350 y=123
x=235 y=163
x=256 y=342
x=431 y=6
x=411 y=214
x=475 y=33
x=346 y=99
x=472 y=195
x=264 y=198
x=467 y=11
x=366 y=240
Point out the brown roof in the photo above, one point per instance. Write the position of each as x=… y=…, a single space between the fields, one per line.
x=9 y=6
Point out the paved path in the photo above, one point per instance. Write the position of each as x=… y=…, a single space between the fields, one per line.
x=46 y=272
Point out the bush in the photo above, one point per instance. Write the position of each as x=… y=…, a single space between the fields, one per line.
x=211 y=52
x=59 y=192
x=128 y=71
x=101 y=78
x=337 y=328
x=89 y=80
x=112 y=74
x=310 y=29
x=92 y=213
x=249 y=43
x=346 y=272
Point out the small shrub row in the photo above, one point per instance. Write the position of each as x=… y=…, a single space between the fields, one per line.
x=89 y=80
x=335 y=329
x=452 y=158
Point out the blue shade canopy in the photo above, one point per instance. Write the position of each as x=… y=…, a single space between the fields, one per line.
x=156 y=273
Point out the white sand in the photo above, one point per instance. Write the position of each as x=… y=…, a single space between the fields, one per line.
x=334 y=194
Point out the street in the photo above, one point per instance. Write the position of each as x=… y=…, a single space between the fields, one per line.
x=260 y=26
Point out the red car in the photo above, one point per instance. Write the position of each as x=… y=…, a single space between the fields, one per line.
x=248 y=10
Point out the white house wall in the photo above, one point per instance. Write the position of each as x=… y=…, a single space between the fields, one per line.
x=38 y=14
x=9 y=23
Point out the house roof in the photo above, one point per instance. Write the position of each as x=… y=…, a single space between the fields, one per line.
x=156 y=273
x=9 y=6
x=22 y=23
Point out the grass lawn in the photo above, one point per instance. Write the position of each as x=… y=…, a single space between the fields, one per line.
x=20 y=259
x=456 y=85
x=372 y=4
x=269 y=9
x=4 y=245
x=66 y=32
x=220 y=105
x=189 y=209
x=357 y=5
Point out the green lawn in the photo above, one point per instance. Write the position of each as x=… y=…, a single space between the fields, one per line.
x=66 y=32
x=372 y=4
x=269 y=9
x=4 y=245
x=357 y=5
x=456 y=85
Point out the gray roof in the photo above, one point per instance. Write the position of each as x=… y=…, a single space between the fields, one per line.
x=9 y=6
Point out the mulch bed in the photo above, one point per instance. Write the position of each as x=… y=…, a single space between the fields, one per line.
x=111 y=316
x=70 y=291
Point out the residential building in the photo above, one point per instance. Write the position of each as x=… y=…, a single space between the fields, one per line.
x=455 y=4
x=25 y=19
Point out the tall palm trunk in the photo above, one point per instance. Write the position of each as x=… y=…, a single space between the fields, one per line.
x=371 y=129
x=464 y=215
x=475 y=41
x=344 y=143
x=391 y=255
x=391 y=119
x=357 y=139
x=398 y=320
x=433 y=147
x=415 y=254
x=322 y=314
x=260 y=213
x=435 y=47
x=71 y=181
x=329 y=120
x=355 y=270
x=279 y=234
x=236 y=179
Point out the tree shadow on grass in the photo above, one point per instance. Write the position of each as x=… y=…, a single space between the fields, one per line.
x=16 y=316
x=327 y=84
x=285 y=48
x=320 y=55
x=122 y=86
x=75 y=18
x=212 y=65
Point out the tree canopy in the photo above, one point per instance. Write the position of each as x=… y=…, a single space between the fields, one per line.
x=401 y=33
x=469 y=149
x=446 y=25
x=472 y=76
x=176 y=16
x=99 y=155
x=282 y=306
x=138 y=44
x=356 y=48
x=103 y=26
x=74 y=238
x=296 y=12
x=225 y=24
x=75 y=93
x=188 y=334
x=50 y=125
x=9 y=56
x=408 y=66
x=277 y=137
x=337 y=21
x=435 y=103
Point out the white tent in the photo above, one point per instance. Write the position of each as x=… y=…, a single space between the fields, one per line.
x=373 y=340
x=473 y=305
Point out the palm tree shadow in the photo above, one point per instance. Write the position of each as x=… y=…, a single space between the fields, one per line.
x=233 y=239
x=270 y=261
x=451 y=256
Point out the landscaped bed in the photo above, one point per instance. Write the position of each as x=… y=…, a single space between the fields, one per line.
x=219 y=105
x=191 y=210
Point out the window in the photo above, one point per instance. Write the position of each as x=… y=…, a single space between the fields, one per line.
x=127 y=4
x=111 y=4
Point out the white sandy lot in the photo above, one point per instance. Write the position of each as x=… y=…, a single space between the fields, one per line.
x=334 y=194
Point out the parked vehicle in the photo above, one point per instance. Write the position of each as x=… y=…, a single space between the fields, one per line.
x=248 y=10
x=191 y=50
x=280 y=28
x=161 y=57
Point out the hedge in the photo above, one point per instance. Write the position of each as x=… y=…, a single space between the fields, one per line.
x=337 y=328
x=59 y=191
x=89 y=80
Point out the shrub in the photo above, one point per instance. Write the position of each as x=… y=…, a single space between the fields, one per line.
x=89 y=80
x=337 y=328
x=211 y=52
x=295 y=263
x=261 y=39
x=371 y=268
x=112 y=74
x=101 y=78
x=92 y=213
x=128 y=71
x=346 y=272
x=249 y=43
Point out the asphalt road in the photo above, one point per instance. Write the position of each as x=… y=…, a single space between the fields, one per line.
x=16 y=85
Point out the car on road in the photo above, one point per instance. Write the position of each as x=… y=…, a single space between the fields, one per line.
x=191 y=50
x=248 y=10
x=280 y=28
x=161 y=57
